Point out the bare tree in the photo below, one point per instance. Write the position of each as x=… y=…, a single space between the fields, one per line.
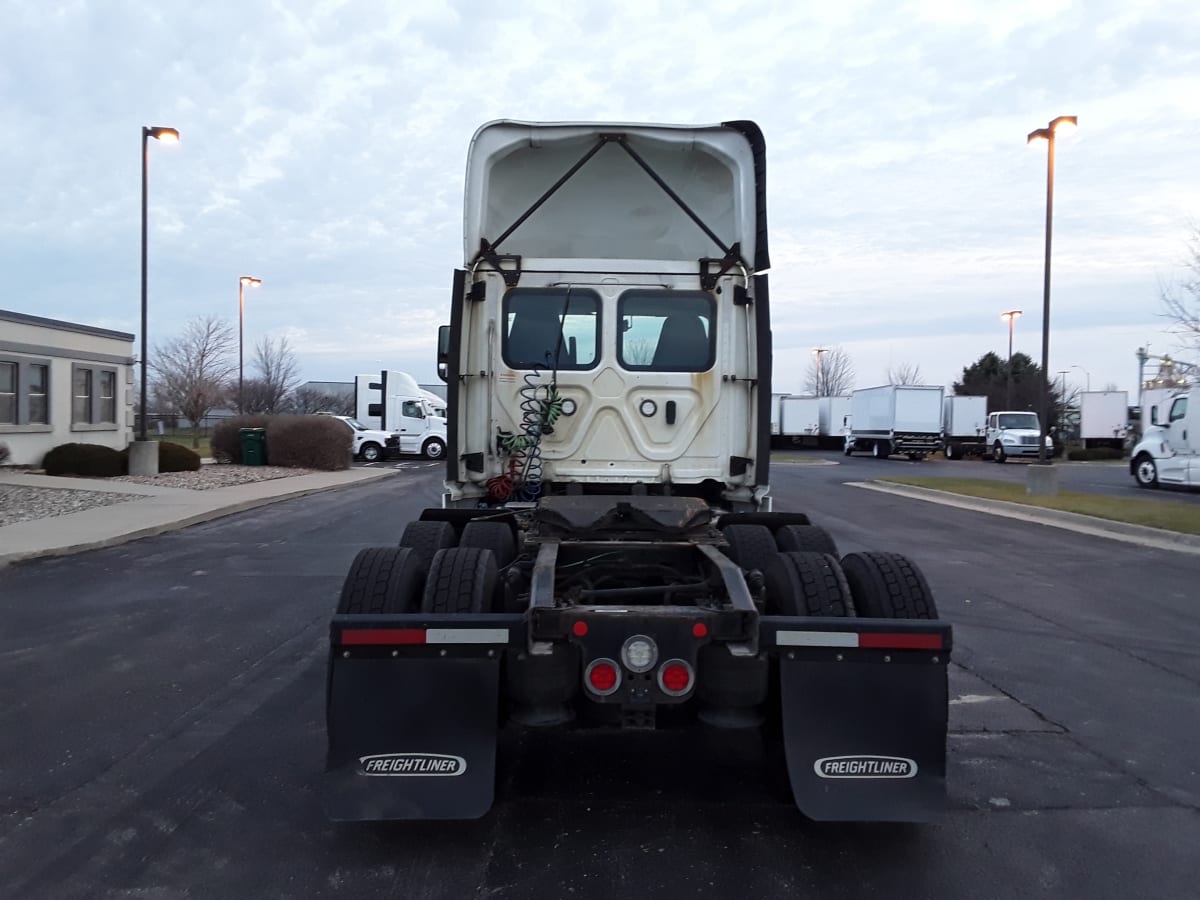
x=1182 y=301
x=904 y=373
x=309 y=400
x=191 y=371
x=830 y=374
x=277 y=375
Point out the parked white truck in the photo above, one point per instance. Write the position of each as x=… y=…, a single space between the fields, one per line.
x=1103 y=418
x=392 y=401
x=1169 y=452
x=964 y=422
x=896 y=418
x=800 y=419
x=1014 y=433
x=835 y=422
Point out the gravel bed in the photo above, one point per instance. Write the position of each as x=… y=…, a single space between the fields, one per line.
x=209 y=477
x=19 y=503
x=24 y=504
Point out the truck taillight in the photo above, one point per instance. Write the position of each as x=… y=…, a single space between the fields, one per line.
x=675 y=677
x=602 y=677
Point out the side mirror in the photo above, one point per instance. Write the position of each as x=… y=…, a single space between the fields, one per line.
x=443 y=352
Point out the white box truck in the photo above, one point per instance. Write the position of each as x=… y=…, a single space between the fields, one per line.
x=776 y=420
x=1103 y=419
x=392 y=401
x=835 y=422
x=896 y=418
x=964 y=421
x=800 y=419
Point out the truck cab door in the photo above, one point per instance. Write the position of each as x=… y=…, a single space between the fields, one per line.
x=1182 y=466
x=412 y=426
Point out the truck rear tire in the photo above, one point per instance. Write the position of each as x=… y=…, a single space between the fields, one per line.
x=427 y=538
x=461 y=580
x=881 y=449
x=382 y=581
x=805 y=539
x=750 y=546
x=495 y=536
x=888 y=586
x=807 y=584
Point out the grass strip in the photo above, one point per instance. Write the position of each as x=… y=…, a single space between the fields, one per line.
x=1169 y=516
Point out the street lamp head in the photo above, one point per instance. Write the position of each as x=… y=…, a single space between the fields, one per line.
x=1011 y=314
x=246 y=279
x=160 y=133
x=1060 y=125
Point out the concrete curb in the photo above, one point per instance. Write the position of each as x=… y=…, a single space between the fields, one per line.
x=196 y=518
x=1118 y=531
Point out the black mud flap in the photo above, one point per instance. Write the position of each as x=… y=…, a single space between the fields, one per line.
x=864 y=726
x=412 y=733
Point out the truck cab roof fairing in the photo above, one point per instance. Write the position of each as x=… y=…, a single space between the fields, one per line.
x=610 y=207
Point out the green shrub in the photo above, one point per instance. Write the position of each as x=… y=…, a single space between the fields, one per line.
x=309 y=442
x=226 y=441
x=92 y=460
x=177 y=458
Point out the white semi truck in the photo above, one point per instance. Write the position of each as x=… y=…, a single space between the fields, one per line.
x=1169 y=451
x=392 y=401
x=896 y=418
x=607 y=554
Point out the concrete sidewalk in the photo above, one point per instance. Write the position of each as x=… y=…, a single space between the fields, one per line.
x=156 y=509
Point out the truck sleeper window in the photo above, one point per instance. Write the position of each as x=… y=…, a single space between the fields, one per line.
x=551 y=328
x=667 y=331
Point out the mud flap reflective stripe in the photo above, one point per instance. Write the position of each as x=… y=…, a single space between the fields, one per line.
x=411 y=738
x=865 y=741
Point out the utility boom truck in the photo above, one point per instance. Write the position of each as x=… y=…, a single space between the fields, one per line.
x=606 y=555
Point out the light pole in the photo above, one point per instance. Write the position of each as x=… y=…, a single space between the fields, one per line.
x=1087 y=375
x=820 y=351
x=1062 y=399
x=242 y=282
x=1012 y=315
x=1047 y=134
x=169 y=136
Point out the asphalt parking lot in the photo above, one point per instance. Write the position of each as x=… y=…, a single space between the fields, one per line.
x=169 y=698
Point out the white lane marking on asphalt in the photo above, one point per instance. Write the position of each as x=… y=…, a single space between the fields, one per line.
x=975 y=698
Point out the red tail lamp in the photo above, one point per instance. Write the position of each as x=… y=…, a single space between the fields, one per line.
x=675 y=677
x=602 y=677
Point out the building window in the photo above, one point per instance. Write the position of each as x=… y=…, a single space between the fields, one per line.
x=81 y=397
x=39 y=389
x=8 y=393
x=108 y=396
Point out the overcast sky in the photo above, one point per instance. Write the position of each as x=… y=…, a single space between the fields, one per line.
x=323 y=148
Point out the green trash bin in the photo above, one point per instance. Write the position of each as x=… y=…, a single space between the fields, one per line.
x=254 y=446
